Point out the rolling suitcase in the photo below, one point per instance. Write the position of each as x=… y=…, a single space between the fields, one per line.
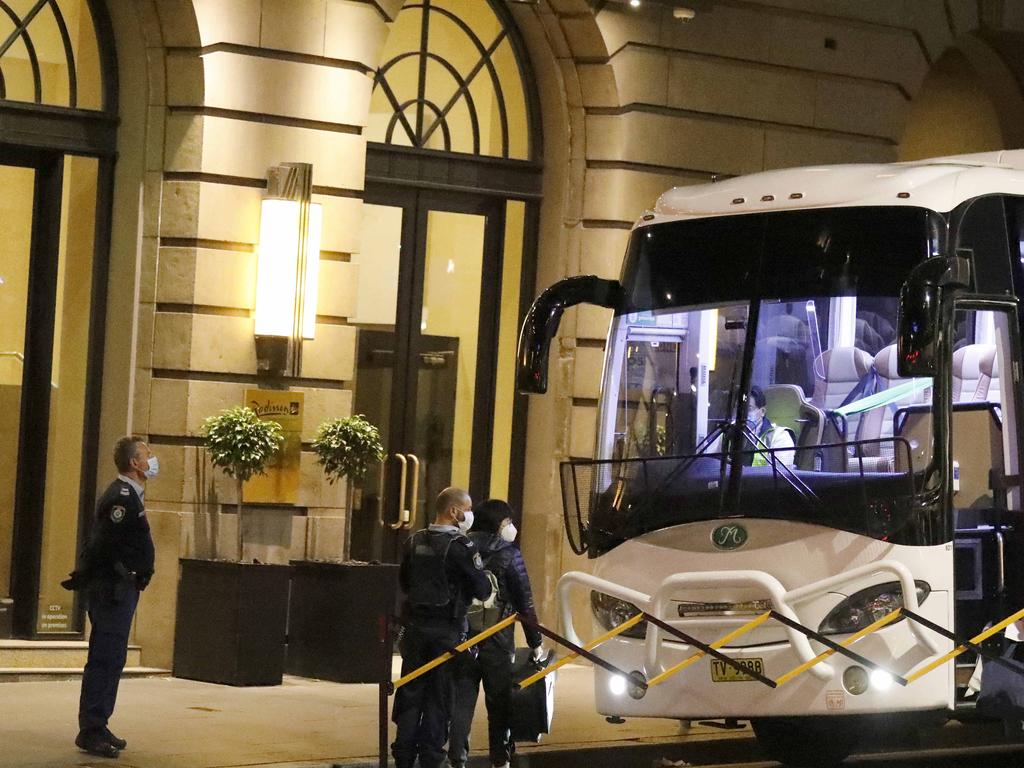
x=532 y=707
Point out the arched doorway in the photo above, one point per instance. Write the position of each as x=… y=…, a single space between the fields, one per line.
x=447 y=263
x=58 y=122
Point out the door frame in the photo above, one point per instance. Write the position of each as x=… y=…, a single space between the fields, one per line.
x=33 y=428
x=401 y=171
x=417 y=205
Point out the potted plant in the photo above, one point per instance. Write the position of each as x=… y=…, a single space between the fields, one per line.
x=337 y=606
x=231 y=615
x=346 y=448
x=241 y=444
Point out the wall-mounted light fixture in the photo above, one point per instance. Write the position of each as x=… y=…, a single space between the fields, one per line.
x=287 y=270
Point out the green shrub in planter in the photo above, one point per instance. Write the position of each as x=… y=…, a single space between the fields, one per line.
x=241 y=444
x=347 y=447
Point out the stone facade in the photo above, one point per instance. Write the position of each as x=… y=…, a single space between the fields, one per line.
x=633 y=101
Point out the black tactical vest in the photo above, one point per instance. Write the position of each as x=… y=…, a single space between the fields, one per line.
x=429 y=586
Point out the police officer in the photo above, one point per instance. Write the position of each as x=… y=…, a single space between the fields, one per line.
x=116 y=565
x=440 y=574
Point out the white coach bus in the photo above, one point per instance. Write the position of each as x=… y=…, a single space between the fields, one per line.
x=874 y=310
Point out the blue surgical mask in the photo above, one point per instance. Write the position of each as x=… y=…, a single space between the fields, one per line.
x=753 y=418
x=154 y=467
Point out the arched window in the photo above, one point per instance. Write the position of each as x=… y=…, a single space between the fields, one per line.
x=446 y=264
x=58 y=129
x=49 y=54
x=452 y=79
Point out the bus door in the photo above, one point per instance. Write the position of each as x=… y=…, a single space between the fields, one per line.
x=986 y=465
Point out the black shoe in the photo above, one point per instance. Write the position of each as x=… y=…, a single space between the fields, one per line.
x=115 y=742
x=95 y=744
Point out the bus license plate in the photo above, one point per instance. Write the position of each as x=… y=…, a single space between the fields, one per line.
x=723 y=673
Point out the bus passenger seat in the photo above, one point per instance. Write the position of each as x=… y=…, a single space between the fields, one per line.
x=837 y=372
x=988 y=384
x=970 y=383
x=876 y=424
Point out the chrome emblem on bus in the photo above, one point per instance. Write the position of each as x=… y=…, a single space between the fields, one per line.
x=729 y=537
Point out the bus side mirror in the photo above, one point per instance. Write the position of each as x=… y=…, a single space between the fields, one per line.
x=541 y=324
x=919 y=314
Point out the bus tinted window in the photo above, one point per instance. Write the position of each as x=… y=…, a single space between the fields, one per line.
x=834 y=252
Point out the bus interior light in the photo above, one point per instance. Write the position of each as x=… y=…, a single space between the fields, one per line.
x=867 y=606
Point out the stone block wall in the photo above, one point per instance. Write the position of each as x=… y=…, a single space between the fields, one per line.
x=634 y=101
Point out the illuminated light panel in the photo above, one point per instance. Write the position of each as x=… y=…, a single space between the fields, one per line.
x=278 y=263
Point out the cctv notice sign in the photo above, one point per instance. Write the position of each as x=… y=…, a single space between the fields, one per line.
x=280 y=485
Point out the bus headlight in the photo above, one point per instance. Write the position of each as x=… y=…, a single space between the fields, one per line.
x=868 y=606
x=610 y=612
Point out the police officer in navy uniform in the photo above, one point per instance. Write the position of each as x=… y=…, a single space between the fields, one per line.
x=441 y=573
x=115 y=567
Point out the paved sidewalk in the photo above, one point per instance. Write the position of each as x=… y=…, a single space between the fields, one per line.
x=171 y=723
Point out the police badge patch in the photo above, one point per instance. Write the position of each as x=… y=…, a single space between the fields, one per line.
x=477 y=561
x=117 y=514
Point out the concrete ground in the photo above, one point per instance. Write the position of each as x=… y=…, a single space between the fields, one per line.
x=172 y=723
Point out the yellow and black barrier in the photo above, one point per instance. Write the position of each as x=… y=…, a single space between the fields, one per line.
x=963 y=645
x=449 y=655
x=834 y=647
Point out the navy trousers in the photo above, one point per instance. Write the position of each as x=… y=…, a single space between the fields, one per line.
x=422 y=707
x=111 y=608
x=492 y=667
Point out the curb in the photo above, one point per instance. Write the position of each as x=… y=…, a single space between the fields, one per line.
x=737 y=748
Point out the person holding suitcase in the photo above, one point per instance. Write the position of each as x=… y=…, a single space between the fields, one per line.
x=494 y=534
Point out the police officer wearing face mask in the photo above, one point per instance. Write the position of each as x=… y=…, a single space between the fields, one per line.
x=440 y=574
x=767 y=434
x=115 y=567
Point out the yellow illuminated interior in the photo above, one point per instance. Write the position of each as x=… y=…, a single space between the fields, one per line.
x=67 y=394
x=48 y=44
x=16 y=185
x=450 y=43
x=508 y=336
x=451 y=307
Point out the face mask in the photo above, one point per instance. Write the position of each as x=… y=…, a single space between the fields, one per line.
x=154 y=467
x=753 y=418
x=466 y=522
x=509 y=533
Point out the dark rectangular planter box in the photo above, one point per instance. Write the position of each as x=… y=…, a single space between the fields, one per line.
x=230 y=624
x=337 y=621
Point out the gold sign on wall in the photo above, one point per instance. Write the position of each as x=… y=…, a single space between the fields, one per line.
x=280 y=485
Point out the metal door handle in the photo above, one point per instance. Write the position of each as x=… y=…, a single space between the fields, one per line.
x=380 y=491
x=402 y=513
x=415 y=487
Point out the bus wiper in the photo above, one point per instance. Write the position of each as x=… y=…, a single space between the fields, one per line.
x=806 y=492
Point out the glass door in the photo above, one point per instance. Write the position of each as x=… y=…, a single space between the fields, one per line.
x=15 y=252
x=429 y=275
x=48 y=208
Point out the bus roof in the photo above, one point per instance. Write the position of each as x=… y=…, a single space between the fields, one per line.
x=939 y=184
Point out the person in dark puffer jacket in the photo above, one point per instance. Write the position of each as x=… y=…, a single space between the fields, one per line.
x=493 y=533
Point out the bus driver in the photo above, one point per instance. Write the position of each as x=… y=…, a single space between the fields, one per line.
x=768 y=434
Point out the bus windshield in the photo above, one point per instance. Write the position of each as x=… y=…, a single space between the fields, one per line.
x=766 y=384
